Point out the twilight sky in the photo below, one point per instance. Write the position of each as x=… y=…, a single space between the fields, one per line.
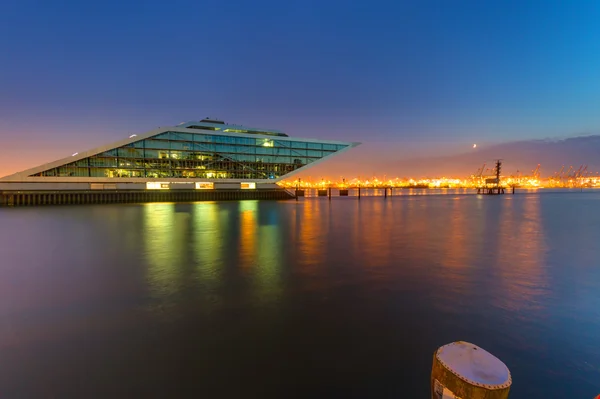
x=406 y=78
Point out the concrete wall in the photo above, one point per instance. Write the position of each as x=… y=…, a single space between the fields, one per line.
x=227 y=186
x=43 y=186
x=182 y=186
x=131 y=186
x=98 y=186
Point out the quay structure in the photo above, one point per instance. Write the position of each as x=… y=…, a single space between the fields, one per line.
x=193 y=161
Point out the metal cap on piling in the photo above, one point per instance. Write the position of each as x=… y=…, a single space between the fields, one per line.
x=464 y=370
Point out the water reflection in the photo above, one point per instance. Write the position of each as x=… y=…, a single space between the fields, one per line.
x=262 y=248
x=268 y=284
x=521 y=249
x=248 y=234
x=164 y=245
x=209 y=244
x=272 y=285
x=311 y=233
x=375 y=227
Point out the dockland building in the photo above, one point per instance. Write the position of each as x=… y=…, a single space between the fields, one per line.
x=199 y=160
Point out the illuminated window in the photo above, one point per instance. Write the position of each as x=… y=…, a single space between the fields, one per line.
x=204 y=128
x=247 y=186
x=152 y=185
x=235 y=131
x=267 y=143
x=205 y=186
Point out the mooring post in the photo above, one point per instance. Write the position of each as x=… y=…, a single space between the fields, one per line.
x=385 y=193
x=329 y=193
x=464 y=370
x=359 y=191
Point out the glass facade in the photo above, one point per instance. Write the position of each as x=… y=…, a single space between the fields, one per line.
x=199 y=155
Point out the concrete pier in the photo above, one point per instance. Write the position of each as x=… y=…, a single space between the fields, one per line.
x=37 y=198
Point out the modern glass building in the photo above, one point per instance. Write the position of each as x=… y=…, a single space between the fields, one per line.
x=206 y=154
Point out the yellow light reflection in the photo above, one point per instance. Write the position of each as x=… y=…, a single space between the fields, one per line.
x=248 y=231
x=270 y=263
x=164 y=244
x=209 y=228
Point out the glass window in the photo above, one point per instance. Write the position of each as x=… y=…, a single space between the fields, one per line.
x=265 y=142
x=204 y=138
x=157 y=144
x=103 y=161
x=98 y=172
x=224 y=139
x=181 y=145
x=224 y=148
x=243 y=158
x=264 y=150
x=130 y=152
x=177 y=136
x=69 y=171
x=125 y=163
x=301 y=153
x=282 y=151
x=314 y=146
x=312 y=153
x=203 y=146
x=110 y=153
x=150 y=154
x=163 y=136
x=280 y=159
x=245 y=141
x=329 y=147
x=281 y=143
x=298 y=144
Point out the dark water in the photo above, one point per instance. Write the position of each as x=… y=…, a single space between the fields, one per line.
x=313 y=298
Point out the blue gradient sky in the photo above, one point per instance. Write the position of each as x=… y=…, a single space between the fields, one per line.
x=406 y=78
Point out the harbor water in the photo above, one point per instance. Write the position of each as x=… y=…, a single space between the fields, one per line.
x=309 y=298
